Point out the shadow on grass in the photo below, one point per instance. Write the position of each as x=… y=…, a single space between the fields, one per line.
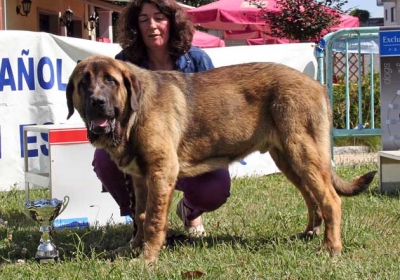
x=22 y=242
x=391 y=195
x=255 y=243
x=90 y=243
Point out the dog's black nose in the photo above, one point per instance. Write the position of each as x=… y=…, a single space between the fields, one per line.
x=97 y=101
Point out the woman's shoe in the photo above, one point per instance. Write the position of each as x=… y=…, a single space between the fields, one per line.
x=194 y=231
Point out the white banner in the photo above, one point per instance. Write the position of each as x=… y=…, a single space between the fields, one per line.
x=34 y=72
x=364 y=46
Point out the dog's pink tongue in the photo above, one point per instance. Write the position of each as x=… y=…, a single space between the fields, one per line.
x=100 y=122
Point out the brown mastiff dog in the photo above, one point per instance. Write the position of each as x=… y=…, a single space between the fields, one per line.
x=160 y=125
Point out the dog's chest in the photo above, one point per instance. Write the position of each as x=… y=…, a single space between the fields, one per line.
x=133 y=168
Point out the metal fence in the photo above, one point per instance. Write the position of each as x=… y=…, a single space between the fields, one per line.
x=351 y=40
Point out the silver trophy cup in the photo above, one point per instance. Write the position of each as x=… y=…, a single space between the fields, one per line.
x=45 y=211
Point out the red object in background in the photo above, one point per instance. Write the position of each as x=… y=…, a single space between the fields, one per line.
x=241 y=20
x=230 y=15
x=103 y=39
x=205 y=40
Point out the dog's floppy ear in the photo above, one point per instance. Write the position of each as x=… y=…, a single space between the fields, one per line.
x=69 y=92
x=132 y=85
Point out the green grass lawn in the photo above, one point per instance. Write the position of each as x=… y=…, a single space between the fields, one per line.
x=248 y=238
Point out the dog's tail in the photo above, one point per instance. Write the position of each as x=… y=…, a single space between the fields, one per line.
x=353 y=188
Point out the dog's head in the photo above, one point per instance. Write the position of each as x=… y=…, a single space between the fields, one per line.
x=105 y=92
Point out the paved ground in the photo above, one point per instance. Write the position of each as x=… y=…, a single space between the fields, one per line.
x=354 y=158
x=351 y=155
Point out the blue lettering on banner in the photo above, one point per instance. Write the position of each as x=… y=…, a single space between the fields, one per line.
x=28 y=75
x=43 y=148
x=29 y=140
x=6 y=75
x=42 y=63
x=32 y=140
x=26 y=72
x=61 y=86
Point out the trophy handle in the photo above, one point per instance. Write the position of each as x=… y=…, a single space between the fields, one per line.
x=64 y=205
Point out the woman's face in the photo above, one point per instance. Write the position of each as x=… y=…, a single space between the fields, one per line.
x=154 y=27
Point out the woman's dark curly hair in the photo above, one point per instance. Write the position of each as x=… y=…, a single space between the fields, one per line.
x=130 y=39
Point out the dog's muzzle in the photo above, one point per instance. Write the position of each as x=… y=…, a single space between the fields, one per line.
x=102 y=125
x=100 y=116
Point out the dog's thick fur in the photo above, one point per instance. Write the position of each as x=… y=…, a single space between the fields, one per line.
x=161 y=125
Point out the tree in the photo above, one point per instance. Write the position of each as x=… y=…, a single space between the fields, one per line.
x=363 y=15
x=118 y=3
x=196 y=3
x=302 y=20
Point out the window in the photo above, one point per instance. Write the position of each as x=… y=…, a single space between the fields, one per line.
x=392 y=15
x=386 y=15
x=48 y=23
x=76 y=28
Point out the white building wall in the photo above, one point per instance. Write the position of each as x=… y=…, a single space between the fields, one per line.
x=388 y=6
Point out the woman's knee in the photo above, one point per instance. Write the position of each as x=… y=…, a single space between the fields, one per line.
x=113 y=180
x=106 y=170
x=101 y=161
x=209 y=191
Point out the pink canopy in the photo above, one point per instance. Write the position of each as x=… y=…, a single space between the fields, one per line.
x=205 y=40
x=268 y=40
x=239 y=18
x=230 y=15
x=347 y=21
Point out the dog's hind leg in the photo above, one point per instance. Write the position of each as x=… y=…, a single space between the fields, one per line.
x=310 y=160
x=314 y=213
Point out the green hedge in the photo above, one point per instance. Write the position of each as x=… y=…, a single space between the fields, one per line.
x=339 y=102
x=339 y=111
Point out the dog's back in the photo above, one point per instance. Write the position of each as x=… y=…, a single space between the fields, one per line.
x=235 y=110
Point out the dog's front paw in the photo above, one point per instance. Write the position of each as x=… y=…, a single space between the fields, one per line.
x=306 y=235
x=136 y=242
x=126 y=252
x=141 y=260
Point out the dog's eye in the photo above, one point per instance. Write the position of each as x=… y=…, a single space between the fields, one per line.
x=110 y=79
x=86 y=78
